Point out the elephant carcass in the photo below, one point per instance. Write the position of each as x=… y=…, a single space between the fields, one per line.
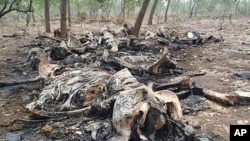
x=138 y=111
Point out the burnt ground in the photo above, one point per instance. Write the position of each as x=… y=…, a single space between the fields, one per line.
x=218 y=60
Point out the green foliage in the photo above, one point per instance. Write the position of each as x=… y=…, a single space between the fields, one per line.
x=7 y=6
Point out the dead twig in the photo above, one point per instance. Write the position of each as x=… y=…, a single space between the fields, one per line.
x=12 y=83
x=56 y=39
x=78 y=111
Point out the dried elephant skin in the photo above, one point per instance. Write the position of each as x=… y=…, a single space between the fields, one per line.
x=86 y=84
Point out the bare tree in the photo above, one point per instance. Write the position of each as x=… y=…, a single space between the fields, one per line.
x=152 y=12
x=236 y=2
x=140 y=17
x=63 y=21
x=192 y=8
x=166 y=13
x=32 y=13
x=47 y=16
x=7 y=6
x=69 y=14
x=123 y=9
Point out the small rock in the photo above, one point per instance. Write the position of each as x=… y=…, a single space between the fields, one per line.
x=8 y=59
x=210 y=59
x=211 y=114
x=242 y=122
x=47 y=128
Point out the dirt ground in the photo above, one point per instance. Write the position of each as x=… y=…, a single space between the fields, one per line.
x=219 y=61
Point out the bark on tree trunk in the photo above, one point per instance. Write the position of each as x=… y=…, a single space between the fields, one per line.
x=33 y=17
x=140 y=17
x=166 y=13
x=152 y=12
x=78 y=9
x=123 y=9
x=237 y=7
x=192 y=7
x=63 y=20
x=69 y=14
x=32 y=13
x=47 y=16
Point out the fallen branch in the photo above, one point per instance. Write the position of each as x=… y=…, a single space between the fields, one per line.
x=56 y=39
x=13 y=35
x=12 y=83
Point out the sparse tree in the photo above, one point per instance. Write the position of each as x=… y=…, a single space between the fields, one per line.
x=7 y=6
x=152 y=12
x=192 y=8
x=63 y=20
x=166 y=13
x=236 y=3
x=69 y=14
x=123 y=9
x=47 y=16
x=140 y=17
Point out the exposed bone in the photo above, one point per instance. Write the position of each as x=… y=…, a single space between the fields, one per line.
x=193 y=35
x=225 y=99
x=172 y=102
x=243 y=97
x=67 y=104
x=149 y=35
x=163 y=62
x=48 y=70
x=114 y=44
x=181 y=81
x=73 y=42
x=162 y=31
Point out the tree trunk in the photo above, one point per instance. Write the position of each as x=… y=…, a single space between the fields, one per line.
x=140 y=17
x=33 y=17
x=123 y=9
x=192 y=7
x=32 y=14
x=28 y=18
x=47 y=16
x=152 y=12
x=237 y=7
x=78 y=9
x=63 y=21
x=177 y=9
x=166 y=13
x=69 y=14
